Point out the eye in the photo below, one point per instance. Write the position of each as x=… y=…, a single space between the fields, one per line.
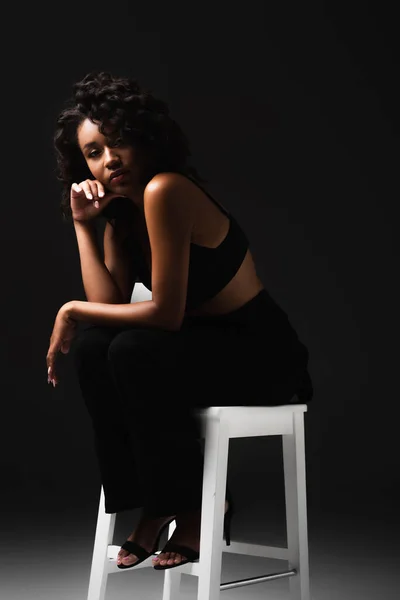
x=117 y=142
x=93 y=153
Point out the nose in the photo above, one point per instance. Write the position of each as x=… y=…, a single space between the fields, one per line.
x=111 y=157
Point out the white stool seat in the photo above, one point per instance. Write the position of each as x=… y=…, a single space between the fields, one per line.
x=219 y=425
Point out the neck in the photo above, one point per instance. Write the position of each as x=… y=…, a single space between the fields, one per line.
x=136 y=195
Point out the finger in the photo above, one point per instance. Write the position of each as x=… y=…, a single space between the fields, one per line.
x=51 y=376
x=51 y=359
x=100 y=189
x=93 y=189
x=93 y=193
x=86 y=189
x=106 y=199
x=98 y=193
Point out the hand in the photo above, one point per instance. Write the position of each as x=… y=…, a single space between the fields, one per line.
x=88 y=199
x=64 y=331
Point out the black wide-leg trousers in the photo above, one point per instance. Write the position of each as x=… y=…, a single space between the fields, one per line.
x=141 y=387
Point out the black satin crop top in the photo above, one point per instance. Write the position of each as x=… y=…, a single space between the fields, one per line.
x=210 y=269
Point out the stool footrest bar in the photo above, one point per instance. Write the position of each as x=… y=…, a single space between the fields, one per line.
x=253 y=580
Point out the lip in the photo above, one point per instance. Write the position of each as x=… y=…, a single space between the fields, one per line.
x=118 y=174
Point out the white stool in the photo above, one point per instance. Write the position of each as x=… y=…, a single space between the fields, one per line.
x=219 y=425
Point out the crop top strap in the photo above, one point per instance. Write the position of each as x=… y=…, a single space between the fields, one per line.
x=222 y=207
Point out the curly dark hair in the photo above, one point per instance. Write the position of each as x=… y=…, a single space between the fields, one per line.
x=132 y=112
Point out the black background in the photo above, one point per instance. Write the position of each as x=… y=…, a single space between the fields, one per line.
x=292 y=113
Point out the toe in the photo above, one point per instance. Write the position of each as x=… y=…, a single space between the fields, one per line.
x=127 y=559
x=164 y=556
x=167 y=558
x=121 y=555
x=178 y=559
x=157 y=559
x=130 y=559
x=171 y=558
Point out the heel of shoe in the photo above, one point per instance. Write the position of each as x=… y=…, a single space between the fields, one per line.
x=227 y=525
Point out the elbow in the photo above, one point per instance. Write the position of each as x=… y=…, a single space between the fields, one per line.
x=168 y=319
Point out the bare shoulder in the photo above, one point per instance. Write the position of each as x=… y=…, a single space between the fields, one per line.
x=172 y=187
x=169 y=180
x=172 y=192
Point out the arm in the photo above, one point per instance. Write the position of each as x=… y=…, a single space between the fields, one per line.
x=98 y=284
x=169 y=220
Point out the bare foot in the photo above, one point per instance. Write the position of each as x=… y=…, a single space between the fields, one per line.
x=187 y=533
x=145 y=535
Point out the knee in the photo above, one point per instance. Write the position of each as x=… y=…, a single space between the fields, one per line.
x=91 y=342
x=139 y=345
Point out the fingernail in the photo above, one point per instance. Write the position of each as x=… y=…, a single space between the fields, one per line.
x=101 y=194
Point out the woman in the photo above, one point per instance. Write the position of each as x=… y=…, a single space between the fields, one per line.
x=210 y=336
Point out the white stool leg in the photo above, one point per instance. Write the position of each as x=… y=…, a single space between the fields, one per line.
x=172 y=579
x=213 y=505
x=172 y=585
x=296 y=508
x=104 y=534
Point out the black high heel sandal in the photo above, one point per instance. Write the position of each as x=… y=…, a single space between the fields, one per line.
x=192 y=555
x=139 y=551
x=228 y=517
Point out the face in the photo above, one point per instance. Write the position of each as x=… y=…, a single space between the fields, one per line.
x=106 y=156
